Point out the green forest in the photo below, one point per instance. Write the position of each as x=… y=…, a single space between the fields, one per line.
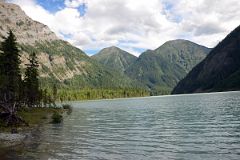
x=90 y=94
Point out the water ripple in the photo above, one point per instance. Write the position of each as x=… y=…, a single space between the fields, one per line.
x=201 y=126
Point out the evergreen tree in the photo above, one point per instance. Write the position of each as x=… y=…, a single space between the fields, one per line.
x=10 y=76
x=31 y=82
x=10 y=81
x=54 y=92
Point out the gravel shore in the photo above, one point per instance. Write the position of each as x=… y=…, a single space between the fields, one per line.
x=8 y=139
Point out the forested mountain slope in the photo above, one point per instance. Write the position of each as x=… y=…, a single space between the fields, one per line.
x=114 y=57
x=161 y=69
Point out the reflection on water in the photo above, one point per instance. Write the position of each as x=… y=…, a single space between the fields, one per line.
x=202 y=126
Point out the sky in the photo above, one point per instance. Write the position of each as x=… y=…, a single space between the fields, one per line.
x=135 y=25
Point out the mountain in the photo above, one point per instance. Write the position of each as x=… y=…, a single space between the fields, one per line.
x=59 y=61
x=161 y=69
x=115 y=58
x=219 y=71
x=69 y=67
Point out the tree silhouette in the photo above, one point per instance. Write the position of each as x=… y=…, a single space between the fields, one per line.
x=10 y=76
x=31 y=82
x=10 y=80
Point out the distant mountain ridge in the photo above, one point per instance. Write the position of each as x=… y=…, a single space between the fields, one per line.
x=219 y=71
x=115 y=58
x=188 y=53
x=162 y=68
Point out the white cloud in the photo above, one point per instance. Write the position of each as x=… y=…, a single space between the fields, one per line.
x=73 y=3
x=208 y=22
x=138 y=23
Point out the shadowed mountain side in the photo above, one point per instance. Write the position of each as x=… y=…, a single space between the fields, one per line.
x=219 y=71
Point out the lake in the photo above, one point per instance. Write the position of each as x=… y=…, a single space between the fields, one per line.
x=194 y=127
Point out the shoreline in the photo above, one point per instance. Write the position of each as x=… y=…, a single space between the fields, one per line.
x=36 y=117
x=158 y=96
x=18 y=142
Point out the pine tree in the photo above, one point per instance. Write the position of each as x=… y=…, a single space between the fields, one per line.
x=31 y=82
x=10 y=81
x=54 y=92
x=10 y=76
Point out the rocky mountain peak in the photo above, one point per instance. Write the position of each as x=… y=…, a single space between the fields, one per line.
x=27 y=31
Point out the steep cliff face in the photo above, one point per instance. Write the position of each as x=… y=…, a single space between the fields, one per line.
x=220 y=71
x=59 y=61
x=25 y=29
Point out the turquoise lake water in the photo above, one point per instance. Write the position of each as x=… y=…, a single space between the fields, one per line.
x=191 y=127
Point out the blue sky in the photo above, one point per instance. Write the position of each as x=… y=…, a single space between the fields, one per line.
x=54 y=6
x=134 y=25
